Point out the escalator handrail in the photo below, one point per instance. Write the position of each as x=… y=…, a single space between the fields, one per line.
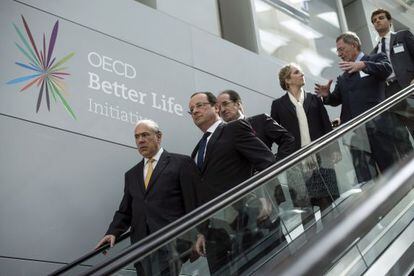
x=192 y=219
x=87 y=256
x=321 y=252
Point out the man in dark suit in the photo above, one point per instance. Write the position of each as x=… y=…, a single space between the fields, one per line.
x=256 y=225
x=158 y=190
x=232 y=152
x=265 y=128
x=399 y=48
x=360 y=88
x=227 y=155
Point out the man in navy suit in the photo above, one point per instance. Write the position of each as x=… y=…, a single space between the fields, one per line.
x=399 y=48
x=227 y=155
x=359 y=88
x=232 y=152
x=158 y=190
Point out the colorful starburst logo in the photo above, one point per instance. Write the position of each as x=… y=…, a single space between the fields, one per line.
x=45 y=72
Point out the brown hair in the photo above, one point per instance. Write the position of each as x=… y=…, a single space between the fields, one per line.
x=378 y=11
x=233 y=95
x=210 y=97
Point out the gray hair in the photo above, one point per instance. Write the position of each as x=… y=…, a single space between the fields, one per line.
x=350 y=38
x=150 y=123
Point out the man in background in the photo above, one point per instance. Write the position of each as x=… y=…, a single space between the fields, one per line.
x=226 y=155
x=253 y=224
x=399 y=48
x=266 y=129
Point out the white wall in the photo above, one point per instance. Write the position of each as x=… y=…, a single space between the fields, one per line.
x=62 y=179
x=201 y=14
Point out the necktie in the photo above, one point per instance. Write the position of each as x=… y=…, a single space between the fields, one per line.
x=150 y=168
x=383 y=45
x=201 y=149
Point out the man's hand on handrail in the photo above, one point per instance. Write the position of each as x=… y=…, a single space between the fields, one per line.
x=106 y=239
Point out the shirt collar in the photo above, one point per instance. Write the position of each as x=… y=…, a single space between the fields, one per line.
x=359 y=57
x=213 y=127
x=156 y=157
x=387 y=36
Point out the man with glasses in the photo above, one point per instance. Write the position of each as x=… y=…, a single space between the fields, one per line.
x=158 y=190
x=260 y=221
x=265 y=128
x=226 y=155
x=359 y=88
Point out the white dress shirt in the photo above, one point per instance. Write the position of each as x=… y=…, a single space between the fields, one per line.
x=211 y=129
x=387 y=50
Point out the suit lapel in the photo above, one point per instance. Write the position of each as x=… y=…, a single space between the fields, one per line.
x=375 y=49
x=210 y=145
x=288 y=104
x=161 y=164
x=140 y=176
x=392 y=40
x=194 y=153
x=258 y=124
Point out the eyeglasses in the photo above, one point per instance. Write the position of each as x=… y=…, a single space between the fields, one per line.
x=226 y=103
x=340 y=50
x=198 y=106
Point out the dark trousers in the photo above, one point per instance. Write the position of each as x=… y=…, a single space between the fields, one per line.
x=253 y=238
x=165 y=261
x=156 y=264
x=232 y=254
x=218 y=250
x=380 y=131
x=364 y=164
x=402 y=128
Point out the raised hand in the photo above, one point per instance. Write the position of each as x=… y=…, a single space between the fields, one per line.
x=323 y=90
x=351 y=66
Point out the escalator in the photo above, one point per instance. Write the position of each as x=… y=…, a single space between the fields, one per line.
x=270 y=225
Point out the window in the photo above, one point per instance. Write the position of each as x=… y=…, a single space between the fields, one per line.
x=299 y=31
